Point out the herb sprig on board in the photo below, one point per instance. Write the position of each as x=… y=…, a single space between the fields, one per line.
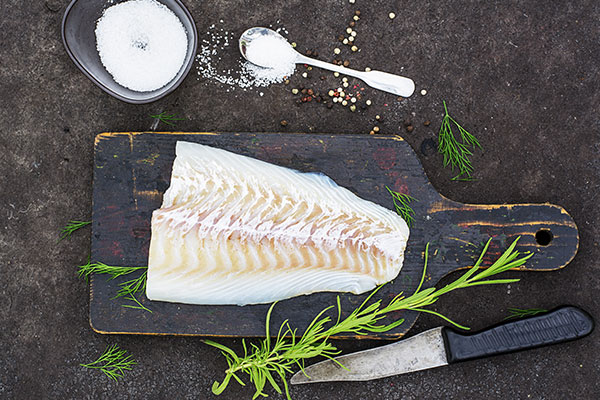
x=456 y=154
x=113 y=362
x=276 y=358
x=401 y=204
x=127 y=289
x=71 y=227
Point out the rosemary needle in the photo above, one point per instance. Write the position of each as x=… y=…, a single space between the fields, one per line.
x=71 y=227
x=113 y=362
x=456 y=154
x=276 y=357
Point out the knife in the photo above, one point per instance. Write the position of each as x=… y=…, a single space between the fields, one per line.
x=442 y=346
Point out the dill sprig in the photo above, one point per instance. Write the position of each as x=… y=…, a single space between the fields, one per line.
x=127 y=289
x=456 y=154
x=524 y=312
x=167 y=118
x=71 y=227
x=113 y=362
x=401 y=202
x=276 y=358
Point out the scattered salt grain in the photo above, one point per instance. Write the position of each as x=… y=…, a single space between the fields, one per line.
x=141 y=43
x=218 y=49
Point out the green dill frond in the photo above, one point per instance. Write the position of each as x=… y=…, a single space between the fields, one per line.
x=113 y=362
x=127 y=289
x=277 y=358
x=167 y=118
x=401 y=204
x=456 y=154
x=71 y=227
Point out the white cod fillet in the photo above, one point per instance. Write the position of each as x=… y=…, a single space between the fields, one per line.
x=236 y=230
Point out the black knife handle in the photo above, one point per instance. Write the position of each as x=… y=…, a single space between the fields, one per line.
x=559 y=325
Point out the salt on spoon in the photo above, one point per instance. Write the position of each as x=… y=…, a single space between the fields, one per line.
x=267 y=48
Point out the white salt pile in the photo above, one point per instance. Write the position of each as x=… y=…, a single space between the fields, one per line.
x=272 y=52
x=141 y=43
x=219 y=60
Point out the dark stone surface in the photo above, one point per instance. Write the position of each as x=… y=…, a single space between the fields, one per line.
x=522 y=76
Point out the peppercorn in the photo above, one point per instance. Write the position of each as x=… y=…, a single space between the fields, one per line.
x=284 y=123
x=330 y=105
x=372 y=133
x=346 y=63
x=410 y=128
x=308 y=53
x=310 y=92
x=357 y=12
x=426 y=123
x=352 y=24
x=322 y=77
x=340 y=37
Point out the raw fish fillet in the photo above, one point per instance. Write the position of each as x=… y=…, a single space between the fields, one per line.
x=236 y=230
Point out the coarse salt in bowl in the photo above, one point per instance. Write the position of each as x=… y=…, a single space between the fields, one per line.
x=80 y=24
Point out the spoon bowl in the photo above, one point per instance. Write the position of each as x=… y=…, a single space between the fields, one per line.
x=254 y=33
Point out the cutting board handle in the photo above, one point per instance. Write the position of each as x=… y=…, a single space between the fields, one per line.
x=547 y=230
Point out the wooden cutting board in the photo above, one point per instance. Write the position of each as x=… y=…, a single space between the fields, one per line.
x=132 y=171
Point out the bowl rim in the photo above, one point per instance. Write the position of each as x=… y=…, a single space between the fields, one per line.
x=175 y=84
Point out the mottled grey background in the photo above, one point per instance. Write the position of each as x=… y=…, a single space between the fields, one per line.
x=522 y=76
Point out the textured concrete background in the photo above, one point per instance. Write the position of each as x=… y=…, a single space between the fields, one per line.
x=522 y=76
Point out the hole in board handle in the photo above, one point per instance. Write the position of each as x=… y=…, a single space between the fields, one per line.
x=543 y=237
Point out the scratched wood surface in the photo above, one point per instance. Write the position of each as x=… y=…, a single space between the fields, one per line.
x=132 y=171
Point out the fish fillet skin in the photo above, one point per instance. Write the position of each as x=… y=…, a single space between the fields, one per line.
x=236 y=230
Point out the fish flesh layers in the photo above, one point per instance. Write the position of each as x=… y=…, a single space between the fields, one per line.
x=236 y=230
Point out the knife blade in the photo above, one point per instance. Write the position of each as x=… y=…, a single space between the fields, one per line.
x=442 y=346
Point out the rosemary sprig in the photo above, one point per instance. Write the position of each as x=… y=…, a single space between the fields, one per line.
x=401 y=202
x=113 y=362
x=524 y=312
x=71 y=227
x=456 y=154
x=127 y=289
x=276 y=358
x=167 y=118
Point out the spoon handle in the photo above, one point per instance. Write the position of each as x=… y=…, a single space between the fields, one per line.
x=398 y=85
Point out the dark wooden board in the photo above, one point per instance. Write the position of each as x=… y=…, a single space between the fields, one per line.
x=132 y=171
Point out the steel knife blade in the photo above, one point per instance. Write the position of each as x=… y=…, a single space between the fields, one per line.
x=442 y=346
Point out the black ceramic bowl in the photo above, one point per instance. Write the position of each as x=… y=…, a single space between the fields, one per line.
x=79 y=38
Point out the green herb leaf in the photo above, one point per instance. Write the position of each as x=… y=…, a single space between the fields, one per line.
x=113 y=362
x=401 y=204
x=127 y=289
x=456 y=154
x=71 y=227
x=524 y=312
x=167 y=118
x=286 y=351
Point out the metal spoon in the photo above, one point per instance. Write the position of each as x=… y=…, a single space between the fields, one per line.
x=391 y=83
